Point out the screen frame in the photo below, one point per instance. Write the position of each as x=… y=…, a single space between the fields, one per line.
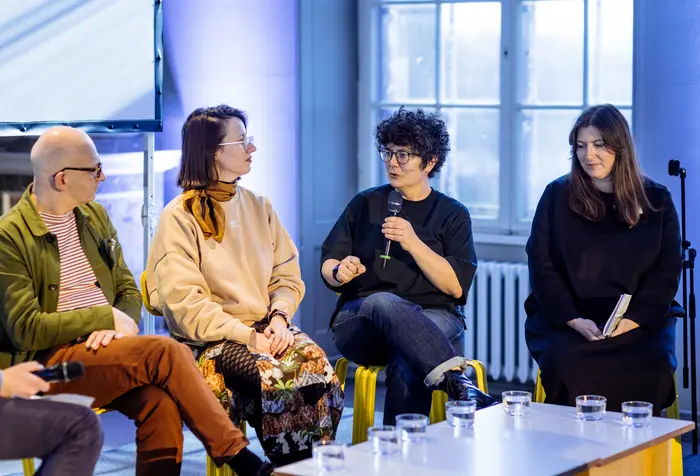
x=105 y=126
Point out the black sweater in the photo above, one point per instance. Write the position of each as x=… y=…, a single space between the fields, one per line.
x=579 y=268
x=439 y=221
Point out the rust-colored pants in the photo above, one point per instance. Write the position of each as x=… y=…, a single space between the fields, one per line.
x=154 y=381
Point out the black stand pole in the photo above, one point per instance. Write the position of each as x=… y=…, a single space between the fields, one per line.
x=686 y=245
x=689 y=365
x=693 y=375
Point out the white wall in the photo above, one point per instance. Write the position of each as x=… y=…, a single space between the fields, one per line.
x=243 y=53
x=667 y=107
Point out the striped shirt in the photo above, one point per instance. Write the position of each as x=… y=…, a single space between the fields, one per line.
x=78 y=287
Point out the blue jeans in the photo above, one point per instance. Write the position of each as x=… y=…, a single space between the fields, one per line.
x=417 y=346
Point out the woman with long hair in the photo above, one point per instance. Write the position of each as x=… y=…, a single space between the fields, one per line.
x=600 y=232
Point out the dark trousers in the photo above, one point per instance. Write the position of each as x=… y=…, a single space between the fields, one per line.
x=67 y=437
x=154 y=381
x=415 y=344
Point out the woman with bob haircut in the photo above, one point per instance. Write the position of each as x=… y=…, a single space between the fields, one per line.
x=599 y=232
x=225 y=274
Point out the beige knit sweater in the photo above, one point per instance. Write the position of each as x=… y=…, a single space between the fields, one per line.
x=209 y=291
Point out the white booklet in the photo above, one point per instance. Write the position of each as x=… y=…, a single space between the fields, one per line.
x=73 y=398
x=617 y=314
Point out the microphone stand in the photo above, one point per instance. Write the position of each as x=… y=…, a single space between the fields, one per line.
x=689 y=254
x=690 y=264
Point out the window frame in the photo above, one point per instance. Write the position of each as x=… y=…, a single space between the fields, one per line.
x=508 y=228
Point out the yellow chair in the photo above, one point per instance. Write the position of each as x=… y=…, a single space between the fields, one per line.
x=671 y=412
x=212 y=470
x=366 y=392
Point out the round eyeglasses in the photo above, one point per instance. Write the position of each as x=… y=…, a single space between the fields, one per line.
x=402 y=156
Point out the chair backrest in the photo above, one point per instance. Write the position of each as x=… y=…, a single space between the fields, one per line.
x=195 y=346
x=146 y=298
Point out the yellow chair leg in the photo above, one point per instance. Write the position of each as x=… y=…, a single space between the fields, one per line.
x=480 y=371
x=28 y=466
x=539 y=389
x=365 y=396
x=437 y=409
x=672 y=411
x=341 y=370
x=225 y=470
x=212 y=470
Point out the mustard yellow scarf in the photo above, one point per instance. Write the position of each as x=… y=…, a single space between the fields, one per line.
x=205 y=206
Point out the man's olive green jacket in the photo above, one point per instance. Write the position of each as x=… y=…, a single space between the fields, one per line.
x=30 y=273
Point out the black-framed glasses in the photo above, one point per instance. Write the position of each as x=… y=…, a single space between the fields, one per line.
x=402 y=156
x=95 y=171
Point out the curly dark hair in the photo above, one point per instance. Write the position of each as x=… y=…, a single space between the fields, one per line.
x=425 y=133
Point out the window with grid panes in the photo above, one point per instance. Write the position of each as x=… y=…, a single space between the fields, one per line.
x=509 y=77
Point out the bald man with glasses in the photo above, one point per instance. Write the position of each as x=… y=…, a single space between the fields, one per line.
x=66 y=294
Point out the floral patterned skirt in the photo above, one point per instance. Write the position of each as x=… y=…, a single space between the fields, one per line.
x=291 y=401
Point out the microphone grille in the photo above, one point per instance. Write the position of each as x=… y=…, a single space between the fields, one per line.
x=395 y=201
x=74 y=370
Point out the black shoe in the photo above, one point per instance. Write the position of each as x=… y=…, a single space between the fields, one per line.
x=458 y=387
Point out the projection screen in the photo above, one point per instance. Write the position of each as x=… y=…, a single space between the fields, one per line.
x=91 y=64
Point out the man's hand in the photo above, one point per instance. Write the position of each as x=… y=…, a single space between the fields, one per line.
x=625 y=325
x=124 y=324
x=586 y=327
x=399 y=230
x=279 y=335
x=349 y=268
x=102 y=338
x=19 y=381
x=260 y=343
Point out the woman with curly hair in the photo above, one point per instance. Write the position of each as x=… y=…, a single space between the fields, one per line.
x=403 y=314
x=224 y=272
x=601 y=231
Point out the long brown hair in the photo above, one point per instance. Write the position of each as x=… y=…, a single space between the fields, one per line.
x=628 y=182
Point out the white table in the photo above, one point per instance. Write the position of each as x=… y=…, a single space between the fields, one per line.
x=550 y=441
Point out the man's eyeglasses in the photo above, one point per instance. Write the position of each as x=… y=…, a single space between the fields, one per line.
x=402 y=156
x=95 y=171
x=246 y=141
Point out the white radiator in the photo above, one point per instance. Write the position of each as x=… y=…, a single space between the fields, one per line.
x=496 y=321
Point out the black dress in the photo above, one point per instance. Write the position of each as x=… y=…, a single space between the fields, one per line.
x=579 y=268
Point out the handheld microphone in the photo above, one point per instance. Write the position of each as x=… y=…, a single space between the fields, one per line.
x=395 y=203
x=64 y=372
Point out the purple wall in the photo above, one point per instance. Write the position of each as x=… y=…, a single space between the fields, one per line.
x=242 y=53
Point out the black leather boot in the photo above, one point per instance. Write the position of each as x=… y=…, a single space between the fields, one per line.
x=458 y=387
